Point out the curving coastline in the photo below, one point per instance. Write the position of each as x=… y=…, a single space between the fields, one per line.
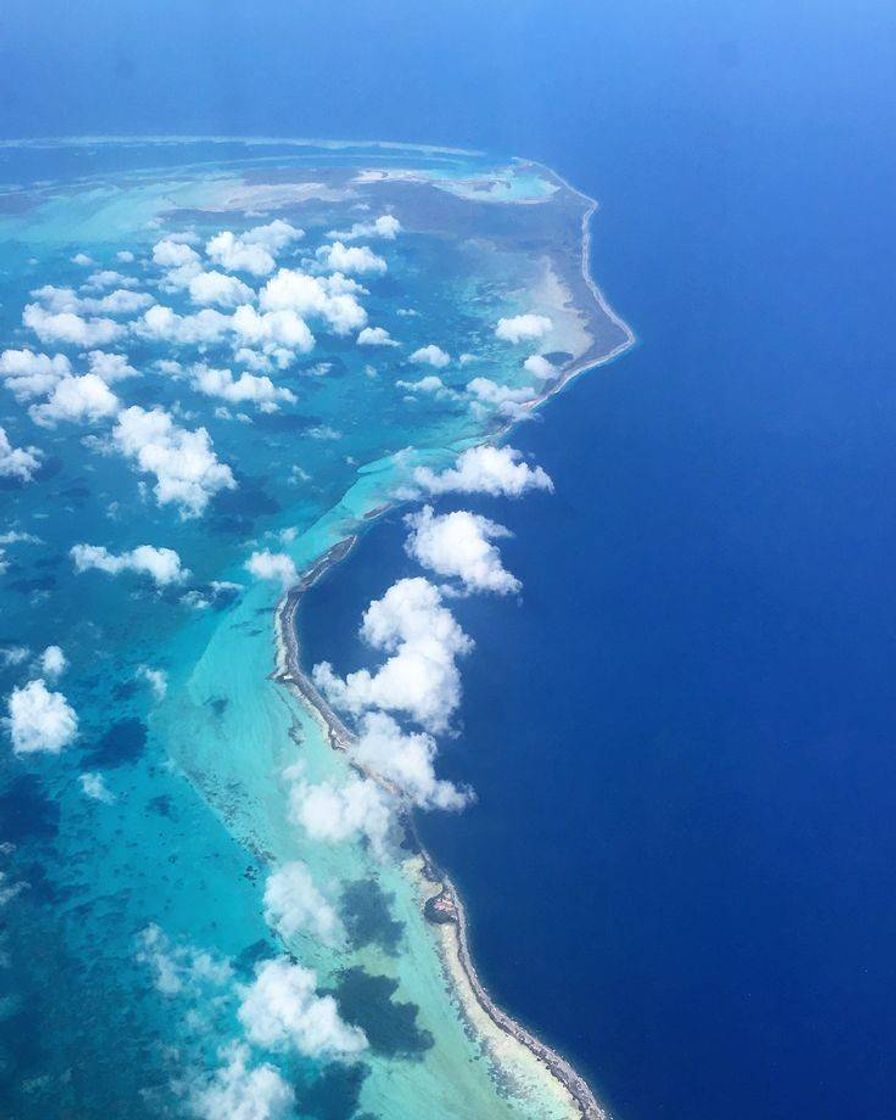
x=443 y=908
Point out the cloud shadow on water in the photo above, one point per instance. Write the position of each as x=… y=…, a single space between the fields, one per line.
x=122 y=744
x=366 y=915
x=391 y=1027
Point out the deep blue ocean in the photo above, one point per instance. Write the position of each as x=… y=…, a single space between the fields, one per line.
x=681 y=867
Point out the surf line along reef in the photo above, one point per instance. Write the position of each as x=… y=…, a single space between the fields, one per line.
x=221 y=360
x=443 y=906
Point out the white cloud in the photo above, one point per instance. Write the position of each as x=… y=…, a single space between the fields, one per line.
x=68 y=327
x=376 y=336
x=540 y=366
x=420 y=677
x=125 y=256
x=187 y=470
x=76 y=399
x=498 y=471
x=179 y=967
x=218 y=288
x=324 y=432
x=221 y=383
x=354 y=260
x=157 y=679
x=459 y=544
x=16 y=536
x=406 y=762
x=272 y=565
x=271 y=329
x=330 y=298
x=53 y=662
x=241 y=1091
x=18 y=462
x=432 y=385
x=507 y=401
x=275 y=236
x=40 y=720
x=432 y=356
x=281 y=1009
x=162 y=565
x=110 y=367
x=119 y=302
x=173 y=254
x=386 y=226
x=234 y=255
x=94 y=786
x=107 y=278
x=293 y=904
x=333 y=813
x=523 y=328
x=82 y=259
x=161 y=324
x=28 y=374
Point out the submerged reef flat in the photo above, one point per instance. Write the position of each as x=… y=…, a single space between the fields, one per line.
x=221 y=362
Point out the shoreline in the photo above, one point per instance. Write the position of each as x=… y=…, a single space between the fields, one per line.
x=584 y=363
x=449 y=918
x=451 y=926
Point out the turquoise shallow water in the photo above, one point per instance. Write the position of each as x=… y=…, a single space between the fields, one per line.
x=137 y=849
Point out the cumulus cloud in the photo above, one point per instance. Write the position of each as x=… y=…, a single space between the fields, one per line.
x=433 y=385
x=376 y=336
x=162 y=565
x=498 y=471
x=69 y=327
x=179 y=967
x=107 y=278
x=40 y=720
x=28 y=374
x=188 y=472
x=271 y=329
x=18 y=462
x=169 y=253
x=459 y=544
x=53 y=662
x=76 y=399
x=110 y=367
x=333 y=813
x=386 y=226
x=406 y=762
x=329 y=298
x=523 y=328
x=273 y=565
x=94 y=786
x=254 y=251
x=281 y=1010
x=161 y=324
x=293 y=904
x=509 y=402
x=247 y=388
x=354 y=260
x=540 y=367
x=241 y=1091
x=120 y=302
x=218 y=288
x=432 y=356
x=157 y=679
x=420 y=677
